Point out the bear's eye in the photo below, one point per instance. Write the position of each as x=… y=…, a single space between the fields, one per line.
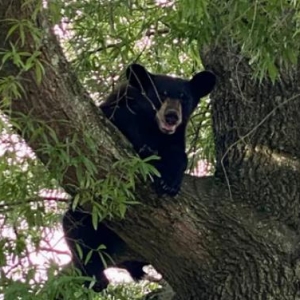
x=165 y=93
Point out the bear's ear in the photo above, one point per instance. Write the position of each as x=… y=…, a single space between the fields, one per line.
x=202 y=84
x=138 y=77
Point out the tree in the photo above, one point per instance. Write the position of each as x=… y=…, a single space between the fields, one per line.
x=233 y=235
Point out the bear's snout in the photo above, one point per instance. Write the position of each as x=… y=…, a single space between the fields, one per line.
x=171 y=117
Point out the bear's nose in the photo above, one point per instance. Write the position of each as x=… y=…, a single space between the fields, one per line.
x=171 y=118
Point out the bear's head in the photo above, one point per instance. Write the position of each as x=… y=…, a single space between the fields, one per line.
x=173 y=99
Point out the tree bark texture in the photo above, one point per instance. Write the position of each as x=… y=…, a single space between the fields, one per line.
x=231 y=236
x=256 y=128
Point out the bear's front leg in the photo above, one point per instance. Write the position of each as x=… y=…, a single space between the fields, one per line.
x=171 y=167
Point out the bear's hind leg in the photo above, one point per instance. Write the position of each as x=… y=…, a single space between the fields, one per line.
x=78 y=229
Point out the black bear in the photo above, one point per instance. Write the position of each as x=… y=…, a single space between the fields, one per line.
x=152 y=111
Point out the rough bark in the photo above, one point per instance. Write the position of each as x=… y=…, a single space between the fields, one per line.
x=212 y=241
x=257 y=133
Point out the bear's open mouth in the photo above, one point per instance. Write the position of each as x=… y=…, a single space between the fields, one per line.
x=166 y=128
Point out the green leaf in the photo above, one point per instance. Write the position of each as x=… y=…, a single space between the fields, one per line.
x=95 y=218
x=88 y=257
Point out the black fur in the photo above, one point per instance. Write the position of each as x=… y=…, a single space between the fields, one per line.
x=133 y=108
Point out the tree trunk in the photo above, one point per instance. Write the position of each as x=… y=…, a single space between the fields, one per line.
x=232 y=236
x=257 y=131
